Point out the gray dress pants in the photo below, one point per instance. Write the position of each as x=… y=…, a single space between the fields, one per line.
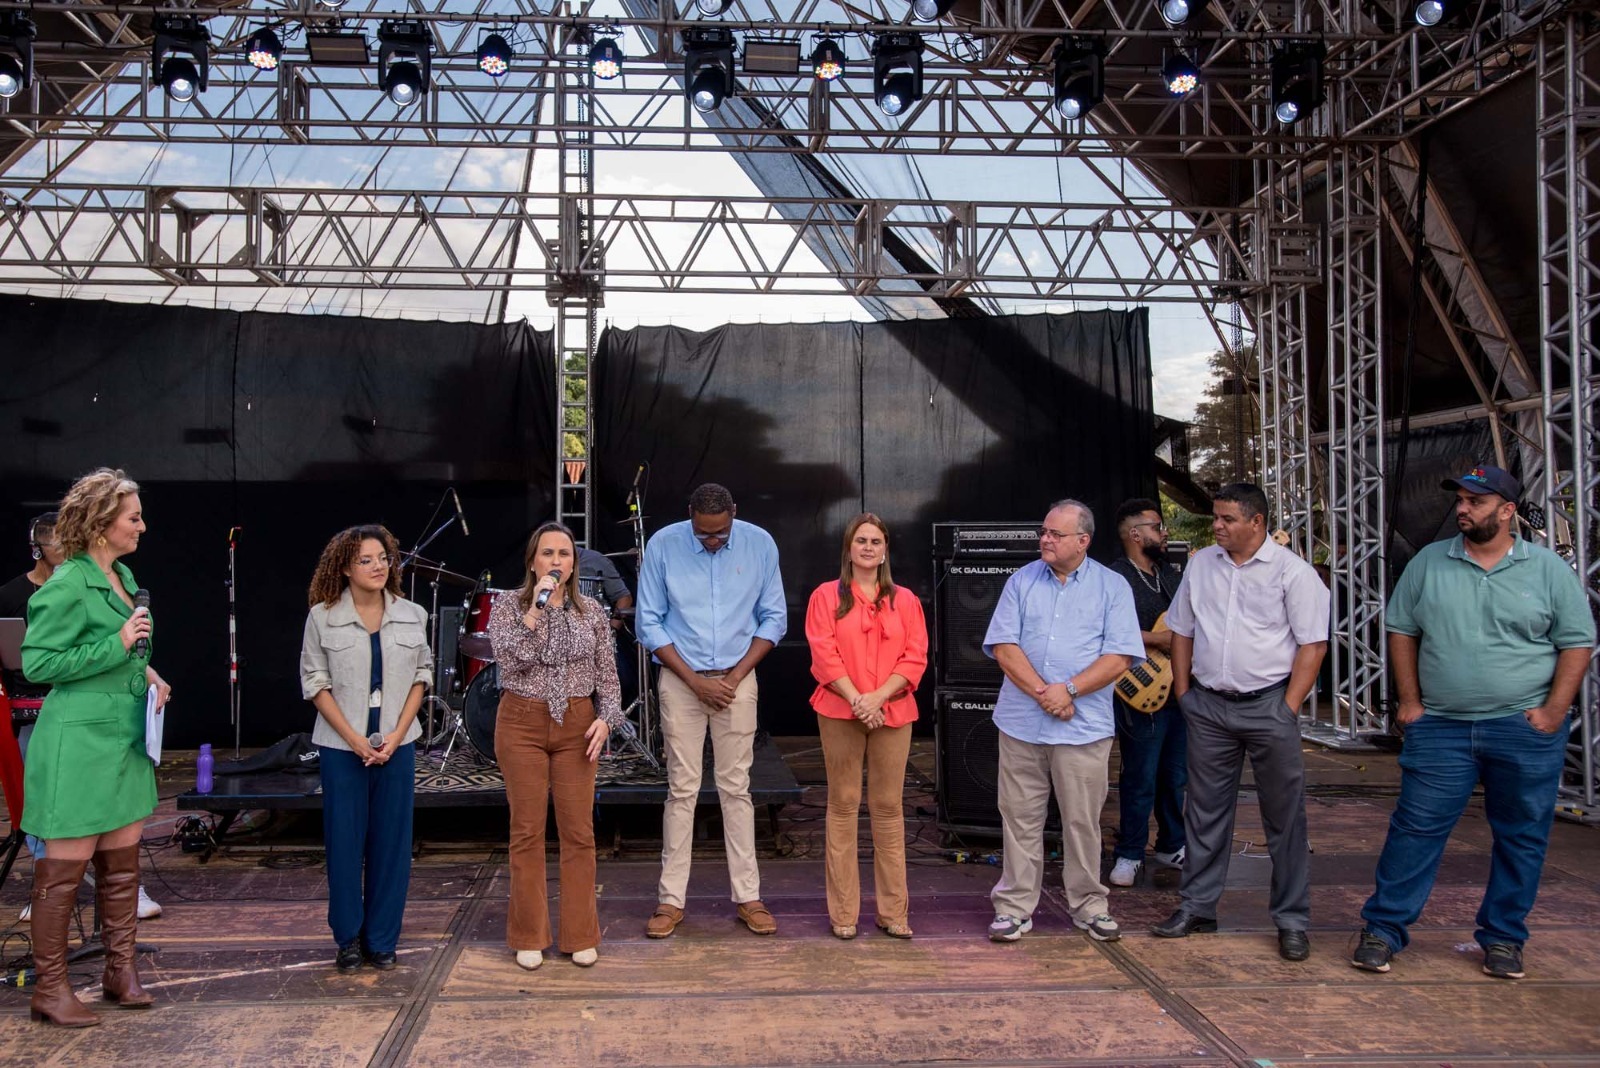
x=1221 y=734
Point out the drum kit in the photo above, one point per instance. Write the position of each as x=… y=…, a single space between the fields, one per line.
x=466 y=695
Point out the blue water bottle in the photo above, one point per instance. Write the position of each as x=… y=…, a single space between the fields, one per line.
x=203 y=766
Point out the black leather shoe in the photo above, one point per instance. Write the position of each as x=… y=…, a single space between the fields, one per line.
x=1293 y=945
x=1182 y=924
x=382 y=961
x=348 y=959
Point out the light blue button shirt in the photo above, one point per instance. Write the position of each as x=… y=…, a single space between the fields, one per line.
x=710 y=606
x=1062 y=628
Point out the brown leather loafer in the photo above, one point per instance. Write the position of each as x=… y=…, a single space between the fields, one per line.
x=663 y=921
x=758 y=918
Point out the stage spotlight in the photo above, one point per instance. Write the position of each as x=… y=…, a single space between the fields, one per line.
x=332 y=5
x=16 y=68
x=494 y=56
x=1080 y=78
x=605 y=58
x=712 y=8
x=707 y=66
x=182 y=74
x=1297 y=80
x=1180 y=74
x=827 y=60
x=1174 y=12
x=405 y=61
x=931 y=10
x=263 y=49
x=1430 y=13
x=896 y=71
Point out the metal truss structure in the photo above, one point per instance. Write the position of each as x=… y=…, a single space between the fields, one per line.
x=1201 y=199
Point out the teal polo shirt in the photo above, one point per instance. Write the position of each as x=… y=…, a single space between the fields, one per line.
x=1489 y=639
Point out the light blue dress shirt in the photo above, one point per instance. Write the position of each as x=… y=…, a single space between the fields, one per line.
x=1062 y=628
x=709 y=606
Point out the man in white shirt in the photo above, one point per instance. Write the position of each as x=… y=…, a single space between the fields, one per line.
x=1250 y=629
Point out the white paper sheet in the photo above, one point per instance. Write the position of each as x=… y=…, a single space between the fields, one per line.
x=154 y=721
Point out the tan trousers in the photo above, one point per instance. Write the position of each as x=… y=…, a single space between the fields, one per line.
x=846 y=746
x=541 y=760
x=684 y=723
x=1079 y=774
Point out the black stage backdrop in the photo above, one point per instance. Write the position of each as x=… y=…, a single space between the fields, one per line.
x=919 y=421
x=291 y=427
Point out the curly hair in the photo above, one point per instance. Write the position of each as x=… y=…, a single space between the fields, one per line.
x=328 y=584
x=526 y=595
x=886 y=587
x=90 y=507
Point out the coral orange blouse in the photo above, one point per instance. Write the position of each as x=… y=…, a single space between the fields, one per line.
x=868 y=645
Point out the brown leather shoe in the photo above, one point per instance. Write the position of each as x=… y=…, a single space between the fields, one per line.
x=757 y=917
x=663 y=921
x=55 y=892
x=116 y=887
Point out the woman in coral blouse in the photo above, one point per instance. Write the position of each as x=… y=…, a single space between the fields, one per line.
x=869 y=646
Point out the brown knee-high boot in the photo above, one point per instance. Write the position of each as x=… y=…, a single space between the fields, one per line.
x=55 y=892
x=116 y=887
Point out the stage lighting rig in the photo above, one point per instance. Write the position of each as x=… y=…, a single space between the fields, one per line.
x=707 y=66
x=827 y=60
x=1430 y=13
x=180 y=55
x=332 y=5
x=1080 y=77
x=605 y=58
x=494 y=56
x=263 y=49
x=1174 y=12
x=931 y=10
x=1180 y=74
x=896 y=70
x=16 y=63
x=712 y=8
x=405 y=60
x=1297 y=80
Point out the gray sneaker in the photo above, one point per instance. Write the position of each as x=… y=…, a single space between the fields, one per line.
x=1502 y=960
x=1373 y=954
x=1101 y=928
x=1009 y=928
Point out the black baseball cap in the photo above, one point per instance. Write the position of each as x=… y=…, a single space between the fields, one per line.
x=1487 y=480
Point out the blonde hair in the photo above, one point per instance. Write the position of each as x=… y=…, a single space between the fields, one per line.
x=847 y=596
x=90 y=507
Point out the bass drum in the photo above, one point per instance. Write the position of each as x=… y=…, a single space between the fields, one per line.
x=479 y=712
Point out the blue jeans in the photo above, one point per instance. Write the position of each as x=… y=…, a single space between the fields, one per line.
x=1154 y=773
x=366 y=827
x=1441 y=761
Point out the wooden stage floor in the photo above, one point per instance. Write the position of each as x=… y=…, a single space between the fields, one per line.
x=244 y=974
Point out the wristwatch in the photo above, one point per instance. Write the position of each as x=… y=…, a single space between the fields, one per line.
x=1072 y=689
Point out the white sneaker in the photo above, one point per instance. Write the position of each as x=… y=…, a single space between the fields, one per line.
x=585 y=958
x=529 y=959
x=148 y=908
x=26 y=914
x=1125 y=871
x=1173 y=859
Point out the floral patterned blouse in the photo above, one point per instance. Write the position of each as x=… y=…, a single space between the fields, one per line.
x=566 y=654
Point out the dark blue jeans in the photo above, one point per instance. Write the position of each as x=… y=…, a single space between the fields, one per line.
x=1441 y=761
x=366 y=830
x=1154 y=773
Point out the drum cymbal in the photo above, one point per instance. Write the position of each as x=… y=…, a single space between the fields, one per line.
x=625 y=552
x=436 y=572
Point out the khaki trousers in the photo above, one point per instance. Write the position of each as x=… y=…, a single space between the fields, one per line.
x=540 y=760
x=846 y=745
x=684 y=723
x=1027 y=772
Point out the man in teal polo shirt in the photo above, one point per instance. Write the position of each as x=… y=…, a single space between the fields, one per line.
x=1489 y=638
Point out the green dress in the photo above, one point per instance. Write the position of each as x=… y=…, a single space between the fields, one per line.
x=87 y=772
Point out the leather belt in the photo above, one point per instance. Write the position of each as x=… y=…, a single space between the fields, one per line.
x=715 y=674
x=1240 y=695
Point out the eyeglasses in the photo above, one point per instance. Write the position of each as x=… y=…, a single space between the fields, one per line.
x=1158 y=526
x=721 y=535
x=1046 y=534
x=368 y=561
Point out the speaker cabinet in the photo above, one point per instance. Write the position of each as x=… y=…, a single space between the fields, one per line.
x=967 y=595
x=967 y=747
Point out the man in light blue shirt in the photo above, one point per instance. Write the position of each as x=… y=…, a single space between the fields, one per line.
x=1064 y=630
x=710 y=607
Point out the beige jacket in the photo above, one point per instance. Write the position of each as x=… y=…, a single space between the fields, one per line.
x=336 y=655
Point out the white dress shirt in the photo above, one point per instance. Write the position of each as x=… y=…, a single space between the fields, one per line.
x=1248 y=620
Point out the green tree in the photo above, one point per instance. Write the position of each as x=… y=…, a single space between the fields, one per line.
x=1226 y=442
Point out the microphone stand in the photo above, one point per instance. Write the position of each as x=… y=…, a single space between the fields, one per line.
x=430 y=735
x=643 y=738
x=235 y=697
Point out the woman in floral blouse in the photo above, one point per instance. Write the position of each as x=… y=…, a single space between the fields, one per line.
x=559 y=701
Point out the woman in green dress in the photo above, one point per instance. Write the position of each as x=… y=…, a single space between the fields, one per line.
x=89 y=785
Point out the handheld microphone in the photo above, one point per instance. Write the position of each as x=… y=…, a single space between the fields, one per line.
x=141 y=599
x=461 y=517
x=544 y=595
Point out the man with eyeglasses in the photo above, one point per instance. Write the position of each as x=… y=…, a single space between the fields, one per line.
x=1151 y=742
x=710 y=606
x=1063 y=631
x=1250 y=629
